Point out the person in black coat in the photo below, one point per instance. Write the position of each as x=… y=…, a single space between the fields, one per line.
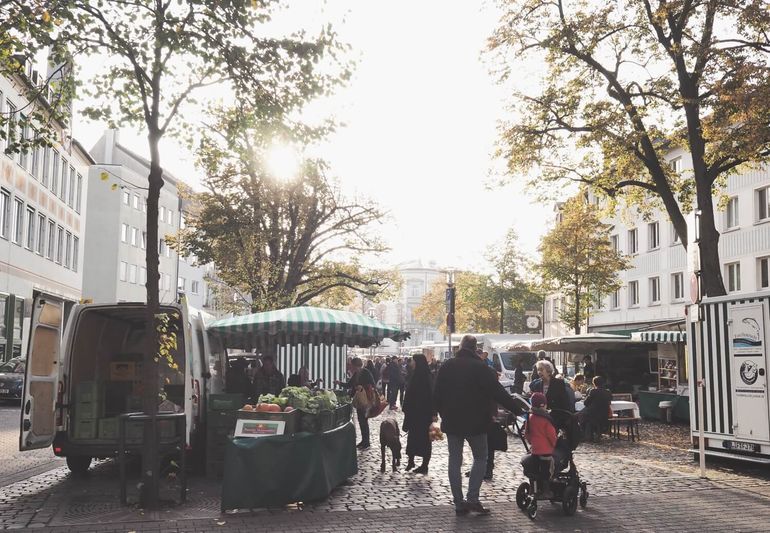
x=361 y=378
x=555 y=390
x=393 y=372
x=419 y=414
x=595 y=414
x=464 y=392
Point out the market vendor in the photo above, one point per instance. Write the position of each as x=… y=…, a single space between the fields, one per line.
x=268 y=379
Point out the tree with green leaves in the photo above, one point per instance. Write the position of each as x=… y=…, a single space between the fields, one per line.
x=625 y=84
x=280 y=242
x=157 y=56
x=579 y=261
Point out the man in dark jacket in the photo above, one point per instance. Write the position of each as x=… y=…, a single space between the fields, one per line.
x=465 y=388
x=595 y=414
x=393 y=373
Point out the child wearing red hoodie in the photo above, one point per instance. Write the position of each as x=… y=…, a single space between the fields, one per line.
x=541 y=433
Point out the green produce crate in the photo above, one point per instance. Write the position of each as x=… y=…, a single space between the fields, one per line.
x=87 y=392
x=292 y=419
x=342 y=415
x=108 y=428
x=317 y=423
x=226 y=402
x=85 y=429
x=221 y=419
x=86 y=410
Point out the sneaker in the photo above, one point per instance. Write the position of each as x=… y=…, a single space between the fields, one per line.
x=422 y=469
x=476 y=507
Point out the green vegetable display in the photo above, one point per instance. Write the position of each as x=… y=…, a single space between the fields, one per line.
x=306 y=400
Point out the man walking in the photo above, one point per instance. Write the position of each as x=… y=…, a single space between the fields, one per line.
x=464 y=391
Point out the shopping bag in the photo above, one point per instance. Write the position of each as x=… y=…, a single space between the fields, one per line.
x=360 y=399
x=497 y=439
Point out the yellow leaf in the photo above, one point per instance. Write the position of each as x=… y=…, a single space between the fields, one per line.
x=114 y=187
x=46 y=17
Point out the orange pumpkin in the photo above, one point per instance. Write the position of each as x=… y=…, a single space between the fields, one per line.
x=273 y=408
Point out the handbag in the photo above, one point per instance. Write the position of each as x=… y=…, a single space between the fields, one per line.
x=360 y=399
x=497 y=439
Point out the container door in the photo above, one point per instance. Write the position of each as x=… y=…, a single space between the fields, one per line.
x=748 y=349
x=38 y=424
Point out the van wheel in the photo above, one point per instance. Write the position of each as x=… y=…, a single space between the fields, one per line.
x=78 y=464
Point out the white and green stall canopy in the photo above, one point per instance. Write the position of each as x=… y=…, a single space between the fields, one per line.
x=304 y=325
x=660 y=336
x=313 y=336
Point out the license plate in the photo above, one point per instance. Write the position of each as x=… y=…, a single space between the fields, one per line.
x=742 y=446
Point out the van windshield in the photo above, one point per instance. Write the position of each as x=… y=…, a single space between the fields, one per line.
x=511 y=359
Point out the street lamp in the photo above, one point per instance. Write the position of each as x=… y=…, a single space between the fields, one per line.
x=450 y=307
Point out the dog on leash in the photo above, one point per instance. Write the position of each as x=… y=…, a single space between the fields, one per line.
x=390 y=437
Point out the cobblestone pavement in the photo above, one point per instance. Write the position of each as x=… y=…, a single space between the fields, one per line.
x=642 y=486
x=16 y=465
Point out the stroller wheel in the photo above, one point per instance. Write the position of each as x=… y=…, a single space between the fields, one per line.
x=531 y=508
x=583 y=495
x=522 y=494
x=569 y=501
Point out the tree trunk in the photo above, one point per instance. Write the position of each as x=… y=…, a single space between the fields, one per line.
x=712 y=283
x=150 y=459
x=577 y=311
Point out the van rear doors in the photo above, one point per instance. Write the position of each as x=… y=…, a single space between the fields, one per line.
x=41 y=380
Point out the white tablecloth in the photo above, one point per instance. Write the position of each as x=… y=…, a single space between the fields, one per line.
x=616 y=405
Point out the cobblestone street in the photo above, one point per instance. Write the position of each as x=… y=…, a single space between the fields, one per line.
x=634 y=486
x=15 y=465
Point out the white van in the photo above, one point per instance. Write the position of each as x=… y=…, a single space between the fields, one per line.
x=505 y=362
x=78 y=383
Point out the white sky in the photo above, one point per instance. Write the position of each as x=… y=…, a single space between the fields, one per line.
x=421 y=114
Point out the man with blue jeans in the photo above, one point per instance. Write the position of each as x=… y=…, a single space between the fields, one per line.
x=464 y=391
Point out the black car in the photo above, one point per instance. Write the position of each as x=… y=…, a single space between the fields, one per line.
x=12 y=378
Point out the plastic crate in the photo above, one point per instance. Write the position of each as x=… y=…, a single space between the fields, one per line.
x=317 y=423
x=108 y=428
x=342 y=415
x=87 y=392
x=226 y=402
x=85 y=429
x=292 y=419
x=86 y=410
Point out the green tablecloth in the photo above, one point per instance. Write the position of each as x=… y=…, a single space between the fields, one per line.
x=649 y=400
x=275 y=471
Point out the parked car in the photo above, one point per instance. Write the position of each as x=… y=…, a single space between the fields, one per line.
x=12 y=378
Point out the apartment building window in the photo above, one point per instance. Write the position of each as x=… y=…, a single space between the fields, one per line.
x=123 y=271
x=135 y=200
x=11 y=114
x=41 y=225
x=677 y=286
x=654 y=290
x=71 y=188
x=68 y=251
x=181 y=283
x=5 y=207
x=18 y=221
x=161 y=247
x=733 y=271
x=674 y=235
x=144 y=240
x=59 y=244
x=763 y=210
x=2 y=145
x=614 y=242
x=46 y=166
x=64 y=174
x=194 y=287
x=75 y=252
x=676 y=164
x=653 y=236
x=162 y=216
x=633 y=241
x=24 y=134
x=36 y=161
x=633 y=293
x=126 y=197
x=555 y=309
x=124 y=232
x=134 y=237
x=731 y=213
x=144 y=205
x=170 y=217
x=615 y=299
x=132 y=273
x=79 y=199
x=55 y=172
x=31 y=218
x=51 y=239
x=142 y=275
x=763 y=272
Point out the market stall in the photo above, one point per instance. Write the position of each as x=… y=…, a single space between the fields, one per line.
x=668 y=398
x=299 y=444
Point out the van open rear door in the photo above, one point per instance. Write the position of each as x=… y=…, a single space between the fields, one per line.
x=38 y=423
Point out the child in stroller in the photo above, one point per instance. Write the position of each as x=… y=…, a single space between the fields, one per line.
x=550 y=455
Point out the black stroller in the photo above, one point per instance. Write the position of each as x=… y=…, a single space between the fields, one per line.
x=564 y=486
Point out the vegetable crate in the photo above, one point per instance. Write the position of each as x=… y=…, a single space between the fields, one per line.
x=342 y=415
x=292 y=418
x=226 y=402
x=317 y=423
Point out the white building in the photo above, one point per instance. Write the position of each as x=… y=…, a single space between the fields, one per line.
x=42 y=221
x=418 y=279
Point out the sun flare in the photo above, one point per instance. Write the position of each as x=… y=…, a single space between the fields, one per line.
x=283 y=161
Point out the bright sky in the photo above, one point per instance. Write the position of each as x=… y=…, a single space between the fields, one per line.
x=421 y=115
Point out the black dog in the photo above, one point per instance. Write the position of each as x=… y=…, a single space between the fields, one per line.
x=390 y=437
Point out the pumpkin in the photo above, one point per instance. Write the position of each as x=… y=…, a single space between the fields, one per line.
x=261 y=407
x=273 y=408
x=247 y=407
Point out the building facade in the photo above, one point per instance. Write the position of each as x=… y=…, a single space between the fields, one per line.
x=42 y=220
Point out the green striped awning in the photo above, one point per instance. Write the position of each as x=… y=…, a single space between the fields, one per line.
x=660 y=336
x=304 y=325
